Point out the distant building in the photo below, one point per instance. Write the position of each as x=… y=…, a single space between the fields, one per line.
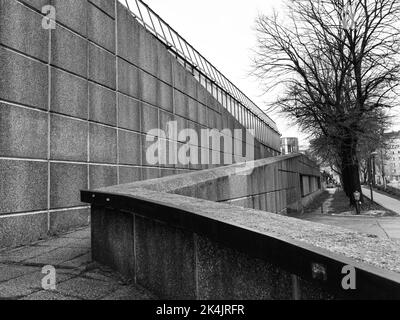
x=391 y=157
x=289 y=145
x=304 y=149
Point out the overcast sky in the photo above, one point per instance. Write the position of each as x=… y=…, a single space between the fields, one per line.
x=223 y=32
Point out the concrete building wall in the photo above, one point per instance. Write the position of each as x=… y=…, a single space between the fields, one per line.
x=75 y=105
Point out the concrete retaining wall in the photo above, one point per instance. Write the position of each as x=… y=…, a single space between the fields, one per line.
x=168 y=236
x=75 y=104
x=178 y=264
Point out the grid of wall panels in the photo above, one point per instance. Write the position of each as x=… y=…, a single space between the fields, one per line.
x=76 y=103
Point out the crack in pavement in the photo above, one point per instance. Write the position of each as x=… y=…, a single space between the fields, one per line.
x=383 y=229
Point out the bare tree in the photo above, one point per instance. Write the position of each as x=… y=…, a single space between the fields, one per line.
x=338 y=62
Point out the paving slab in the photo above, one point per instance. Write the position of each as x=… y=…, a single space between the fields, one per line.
x=77 y=276
x=66 y=242
x=10 y=271
x=58 y=256
x=391 y=227
x=47 y=295
x=86 y=289
x=78 y=263
x=27 y=284
x=79 y=234
x=364 y=224
x=23 y=253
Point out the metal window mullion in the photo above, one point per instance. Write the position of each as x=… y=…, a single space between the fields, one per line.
x=172 y=38
x=180 y=44
x=140 y=11
x=208 y=71
x=151 y=20
x=195 y=56
x=190 y=56
x=162 y=30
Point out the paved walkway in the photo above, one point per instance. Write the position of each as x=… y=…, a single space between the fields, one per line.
x=77 y=277
x=384 y=227
x=385 y=201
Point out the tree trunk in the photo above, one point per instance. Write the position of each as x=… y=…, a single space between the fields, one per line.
x=351 y=181
x=350 y=171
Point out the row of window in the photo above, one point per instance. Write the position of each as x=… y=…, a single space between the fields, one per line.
x=263 y=131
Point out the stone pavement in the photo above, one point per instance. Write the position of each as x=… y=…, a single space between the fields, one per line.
x=77 y=277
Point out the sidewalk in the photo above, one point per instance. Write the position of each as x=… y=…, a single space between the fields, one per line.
x=385 y=201
x=384 y=227
x=391 y=227
x=77 y=277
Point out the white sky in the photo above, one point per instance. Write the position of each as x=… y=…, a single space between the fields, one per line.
x=223 y=32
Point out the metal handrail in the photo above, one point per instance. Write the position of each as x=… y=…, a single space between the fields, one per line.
x=185 y=51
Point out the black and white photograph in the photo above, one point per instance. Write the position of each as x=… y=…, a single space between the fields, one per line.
x=202 y=157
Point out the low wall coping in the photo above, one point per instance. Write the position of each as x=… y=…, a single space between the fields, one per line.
x=180 y=181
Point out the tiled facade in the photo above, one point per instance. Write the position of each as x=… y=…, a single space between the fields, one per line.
x=76 y=103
